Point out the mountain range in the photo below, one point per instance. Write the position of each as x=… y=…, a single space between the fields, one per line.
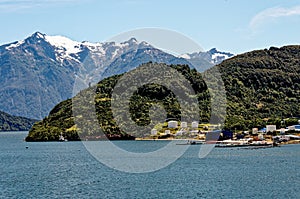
x=41 y=70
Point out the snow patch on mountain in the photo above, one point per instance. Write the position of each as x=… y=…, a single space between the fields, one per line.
x=218 y=55
x=185 y=56
x=94 y=47
x=64 y=46
x=64 y=43
x=14 y=45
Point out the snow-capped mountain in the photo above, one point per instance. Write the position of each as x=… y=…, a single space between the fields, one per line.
x=85 y=58
x=217 y=56
x=213 y=56
x=204 y=60
x=41 y=70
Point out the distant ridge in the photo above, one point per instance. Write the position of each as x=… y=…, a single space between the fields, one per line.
x=14 y=123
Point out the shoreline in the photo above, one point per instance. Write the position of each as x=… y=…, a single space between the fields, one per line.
x=217 y=142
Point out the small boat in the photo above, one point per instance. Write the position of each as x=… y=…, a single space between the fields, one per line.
x=62 y=138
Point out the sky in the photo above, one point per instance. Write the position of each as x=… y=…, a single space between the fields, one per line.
x=235 y=26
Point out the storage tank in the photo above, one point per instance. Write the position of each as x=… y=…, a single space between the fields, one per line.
x=183 y=124
x=172 y=124
x=195 y=124
x=153 y=132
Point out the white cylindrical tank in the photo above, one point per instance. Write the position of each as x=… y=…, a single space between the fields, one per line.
x=172 y=124
x=183 y=124
x=153 y=132
x=167 y=132
x=195 y=124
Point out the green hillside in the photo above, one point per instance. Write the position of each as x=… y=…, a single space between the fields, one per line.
x=262 y=87
x=61 y=119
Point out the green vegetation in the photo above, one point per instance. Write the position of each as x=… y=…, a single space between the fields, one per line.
x=14 y=123
x=61 y=118
x=262 y=87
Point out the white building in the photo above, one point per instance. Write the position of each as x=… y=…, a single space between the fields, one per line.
x=291 y=128
x=167 y=132
x=195 y=124
x=270 y=128
x=183 y=125
x=172 y=124
x=153 y=132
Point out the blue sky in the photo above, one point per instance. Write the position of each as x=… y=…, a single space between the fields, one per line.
x=229 y=25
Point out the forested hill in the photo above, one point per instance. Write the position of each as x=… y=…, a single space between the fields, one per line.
x=262 y=87
x=14 y=123
x=61 y=118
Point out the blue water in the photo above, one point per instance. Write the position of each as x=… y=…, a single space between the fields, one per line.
x=67 y=170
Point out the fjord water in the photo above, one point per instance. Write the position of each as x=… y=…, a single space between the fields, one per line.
x=67 y=170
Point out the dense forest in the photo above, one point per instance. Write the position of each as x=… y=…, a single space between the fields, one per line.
x=262 y=87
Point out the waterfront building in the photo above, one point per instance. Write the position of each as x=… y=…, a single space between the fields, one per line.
x=270 y=128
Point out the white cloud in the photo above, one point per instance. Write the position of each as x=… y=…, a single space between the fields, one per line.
x=16 y=5
x=271 y=14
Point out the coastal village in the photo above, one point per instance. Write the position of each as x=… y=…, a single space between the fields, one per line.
x=196 y=133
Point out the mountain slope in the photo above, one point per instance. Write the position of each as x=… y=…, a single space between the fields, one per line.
x=40 y=71
x=133 y=59
x=262 y=88
x=31 y=79
x=14 y=123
